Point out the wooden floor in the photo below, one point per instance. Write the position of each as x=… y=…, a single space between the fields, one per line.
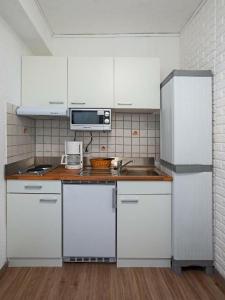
x=106 y=282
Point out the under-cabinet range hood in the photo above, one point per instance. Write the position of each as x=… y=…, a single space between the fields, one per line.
x=41 y=111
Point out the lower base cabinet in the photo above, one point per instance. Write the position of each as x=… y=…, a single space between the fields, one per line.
x=144 y=224
x=34 y=223
x=34 y=229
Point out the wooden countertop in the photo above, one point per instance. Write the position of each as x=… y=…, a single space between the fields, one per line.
x=60 y=173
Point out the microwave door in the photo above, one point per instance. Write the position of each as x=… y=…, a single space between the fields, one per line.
x=87 y=117
x=90 y=119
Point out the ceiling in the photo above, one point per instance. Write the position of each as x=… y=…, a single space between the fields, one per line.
x=84 y=17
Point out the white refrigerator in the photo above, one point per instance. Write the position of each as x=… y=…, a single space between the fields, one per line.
x=186 y=153
x=89 y=222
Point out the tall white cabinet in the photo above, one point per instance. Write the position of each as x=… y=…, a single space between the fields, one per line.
x=44 y=81
x=186 y=153
x=186 y=119
x=90 y=82
x=137 y=82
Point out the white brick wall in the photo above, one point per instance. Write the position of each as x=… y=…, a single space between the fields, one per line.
x=197 y=48
x=203 y=47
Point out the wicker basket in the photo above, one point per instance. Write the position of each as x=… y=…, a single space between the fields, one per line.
x=100 y=163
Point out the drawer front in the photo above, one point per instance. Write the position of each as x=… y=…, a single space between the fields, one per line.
x=34 y=186
x=143 y=187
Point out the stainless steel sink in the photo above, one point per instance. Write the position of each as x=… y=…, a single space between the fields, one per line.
x=93 y=171
x=140 y=171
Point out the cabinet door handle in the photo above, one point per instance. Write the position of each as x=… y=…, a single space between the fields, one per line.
x=132 y=201
x=125 y=103
x=56 y=102
x=48 y=200
x=33 y=187
x=80 y=103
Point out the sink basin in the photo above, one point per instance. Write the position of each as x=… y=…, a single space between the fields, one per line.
x=140 y=171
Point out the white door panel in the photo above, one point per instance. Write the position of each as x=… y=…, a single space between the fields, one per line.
x=44 y=81
x=90 y=82
x=166 y=122
x=144 y=226
x=192 y=216
x=89 y=220
x=137 y=82
x=193 y=120
x=186 y=121
x=34 y=226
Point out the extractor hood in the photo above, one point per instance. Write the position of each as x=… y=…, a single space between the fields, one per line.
x=41 y=111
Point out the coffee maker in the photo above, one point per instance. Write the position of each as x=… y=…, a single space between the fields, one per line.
x=73 y=157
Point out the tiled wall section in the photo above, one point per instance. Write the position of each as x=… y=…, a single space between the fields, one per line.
x=202 y=47
x=20 y=136
x=132 y=135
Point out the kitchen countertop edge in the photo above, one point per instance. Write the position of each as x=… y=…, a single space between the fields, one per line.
x=63 y=175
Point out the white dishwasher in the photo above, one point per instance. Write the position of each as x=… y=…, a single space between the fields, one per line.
x=89 y=222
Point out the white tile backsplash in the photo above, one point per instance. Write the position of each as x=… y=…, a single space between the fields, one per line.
x=20 y=136
x=128 y=138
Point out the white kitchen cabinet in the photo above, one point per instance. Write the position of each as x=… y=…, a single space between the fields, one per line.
x=90 y=82
x=34 y=186
x=144 y=224
x=34 y=223
x=186 y=119
x=34 y=226
x=137 y=82
x=166 y=123
x=44 y=81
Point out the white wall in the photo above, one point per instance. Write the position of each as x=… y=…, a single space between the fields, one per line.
x=33 y=13
x=203 y=47
x=11 y=49
x=26 y=20
x=164 y=47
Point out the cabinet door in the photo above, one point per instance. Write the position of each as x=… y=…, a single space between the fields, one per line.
x=192 y=120
x=34 y=226
x=144 y=226
x=44 y=81
x=166 y=122
x=90 y=82
x=137 y=82
x=89 y=215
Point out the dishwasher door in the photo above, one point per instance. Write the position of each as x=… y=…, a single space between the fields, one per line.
x=89 y=221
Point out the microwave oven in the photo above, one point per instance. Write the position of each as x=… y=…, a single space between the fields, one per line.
x=90 y=119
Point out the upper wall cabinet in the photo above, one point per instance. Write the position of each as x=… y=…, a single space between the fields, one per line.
x=137 y=82
x=44 y=81
x=90 y=82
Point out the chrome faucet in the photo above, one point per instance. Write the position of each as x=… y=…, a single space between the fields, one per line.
x=121 y=166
